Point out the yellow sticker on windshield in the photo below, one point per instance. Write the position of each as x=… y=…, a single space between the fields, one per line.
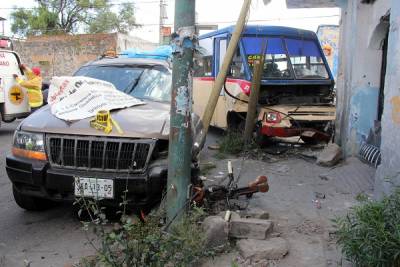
x=16 y=95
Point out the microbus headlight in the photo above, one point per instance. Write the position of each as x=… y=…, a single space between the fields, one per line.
x=29 y=145
x=273 y=117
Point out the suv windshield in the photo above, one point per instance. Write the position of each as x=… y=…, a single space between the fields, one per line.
x=286 y=58
x=140 y=82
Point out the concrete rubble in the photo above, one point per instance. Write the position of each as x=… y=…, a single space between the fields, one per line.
x=255 y=213
x=216 y=231
x=258 y=250
x=250 y=228
x=233 y=215
x=331 y=155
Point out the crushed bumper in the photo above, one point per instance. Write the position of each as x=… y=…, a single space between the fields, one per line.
x=39 y=179
x=289 y=132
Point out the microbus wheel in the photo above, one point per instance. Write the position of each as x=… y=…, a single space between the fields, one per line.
x=261 y=139
x=236 y=121
x=309 y=140
x=31 y=203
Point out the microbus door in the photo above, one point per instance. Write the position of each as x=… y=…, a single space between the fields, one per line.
x=220 y=113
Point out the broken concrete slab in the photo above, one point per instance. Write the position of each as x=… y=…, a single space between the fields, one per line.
x=250 y=228
x=255 y=213
x=216 y=231
x=233 y=215
x=331 y=155
x=258 y=250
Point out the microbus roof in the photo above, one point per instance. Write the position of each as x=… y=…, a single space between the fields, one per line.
x=265 y=30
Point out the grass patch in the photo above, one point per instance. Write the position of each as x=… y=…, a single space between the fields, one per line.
x=231 y=143
x=132 y=242
x=205 y=168
x=369 y=234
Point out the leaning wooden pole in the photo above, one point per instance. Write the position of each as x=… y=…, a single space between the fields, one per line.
x=220 y=80
x=253 y=99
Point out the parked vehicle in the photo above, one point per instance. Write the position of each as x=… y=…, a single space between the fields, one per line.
x=13 y=98
x=296 y=94
x=52 y=159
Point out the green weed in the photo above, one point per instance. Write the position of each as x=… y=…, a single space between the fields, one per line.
x=369 y=234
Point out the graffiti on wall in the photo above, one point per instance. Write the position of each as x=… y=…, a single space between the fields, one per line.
x=328 y=36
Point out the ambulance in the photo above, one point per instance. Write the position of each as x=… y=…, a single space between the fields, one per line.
x=13 y=98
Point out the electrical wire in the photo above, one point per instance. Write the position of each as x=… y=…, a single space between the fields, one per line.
x=271 y=109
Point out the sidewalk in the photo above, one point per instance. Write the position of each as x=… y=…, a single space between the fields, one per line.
x=294 y=182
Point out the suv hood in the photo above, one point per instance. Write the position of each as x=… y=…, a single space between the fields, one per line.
x=144 y=121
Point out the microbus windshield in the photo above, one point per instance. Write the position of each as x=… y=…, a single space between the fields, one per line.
x=285 y=58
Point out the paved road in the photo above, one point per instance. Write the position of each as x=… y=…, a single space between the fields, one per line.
x=49 y=238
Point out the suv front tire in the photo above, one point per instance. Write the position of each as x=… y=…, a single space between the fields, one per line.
x=31 y=203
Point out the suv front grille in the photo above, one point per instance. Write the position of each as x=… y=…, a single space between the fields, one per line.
x=99 y=153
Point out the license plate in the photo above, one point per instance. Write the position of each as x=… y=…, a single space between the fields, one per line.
x=94 y=187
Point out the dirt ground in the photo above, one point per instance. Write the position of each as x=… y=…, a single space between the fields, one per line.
x=295 y=180
x=55 y=237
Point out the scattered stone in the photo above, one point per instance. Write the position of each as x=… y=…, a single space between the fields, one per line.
x=255 y=213
x=216 y=231
x=250 y=228
x=319 y=195
x=275 y=234
x=260 y=250
x=324 y=177
x=309 y=227
x=214 y=147
x=330 y=155
x=234 y=215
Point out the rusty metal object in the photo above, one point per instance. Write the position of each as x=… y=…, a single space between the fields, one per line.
x=214 y=193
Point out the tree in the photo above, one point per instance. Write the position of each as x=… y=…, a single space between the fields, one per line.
x=72 y=16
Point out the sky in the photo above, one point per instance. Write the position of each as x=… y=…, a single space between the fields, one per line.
x=220 y=12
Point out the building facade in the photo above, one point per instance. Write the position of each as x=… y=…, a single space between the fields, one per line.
x=368 y=83
x=59 y=55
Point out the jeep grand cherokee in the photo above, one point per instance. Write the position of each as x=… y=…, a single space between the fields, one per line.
x=50 y=156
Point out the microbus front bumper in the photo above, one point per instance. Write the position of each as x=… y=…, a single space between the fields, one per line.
x=287 y=121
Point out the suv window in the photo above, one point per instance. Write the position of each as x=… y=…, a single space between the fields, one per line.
x=140 y=82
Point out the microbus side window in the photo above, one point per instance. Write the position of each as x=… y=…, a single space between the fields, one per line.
x=306 y=59
x=237 y=68
x=203 y=63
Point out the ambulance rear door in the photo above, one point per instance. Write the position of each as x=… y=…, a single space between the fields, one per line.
x=12 y=95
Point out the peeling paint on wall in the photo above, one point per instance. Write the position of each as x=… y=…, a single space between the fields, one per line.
x=363 y=112
x=395 y=101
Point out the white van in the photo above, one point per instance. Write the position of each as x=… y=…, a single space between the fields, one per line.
x=13 y=97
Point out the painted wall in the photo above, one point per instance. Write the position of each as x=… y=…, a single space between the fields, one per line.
x=388 y=173
x=359 y=73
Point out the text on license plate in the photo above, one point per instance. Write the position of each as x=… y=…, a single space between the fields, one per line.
x=94 y=187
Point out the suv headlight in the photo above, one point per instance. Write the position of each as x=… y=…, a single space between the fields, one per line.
x=29 y=145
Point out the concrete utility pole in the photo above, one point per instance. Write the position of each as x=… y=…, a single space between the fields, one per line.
x=180 y=138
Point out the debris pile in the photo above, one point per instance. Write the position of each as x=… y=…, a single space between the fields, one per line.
x=253 y=232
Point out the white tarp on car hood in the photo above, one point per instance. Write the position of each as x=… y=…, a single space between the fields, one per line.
x=76 y=98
